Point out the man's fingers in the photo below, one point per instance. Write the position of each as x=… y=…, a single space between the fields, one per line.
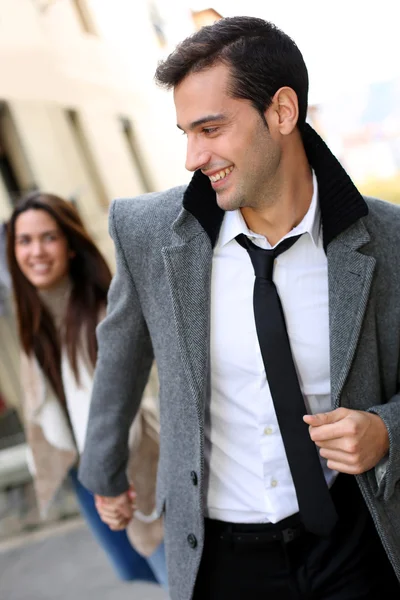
x=110 y=513
x=98 y=500
x=115 y=524
x=339 y=457
x=126 y=511
x=116 y=511
x=326 y=418
x=121 y=511
x=330 y=426
x=123 y=504
x=345 y=444
x=344 y=468
x=113 y=517
x=326 y=433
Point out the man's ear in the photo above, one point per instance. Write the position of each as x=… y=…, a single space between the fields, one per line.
x=284 y=110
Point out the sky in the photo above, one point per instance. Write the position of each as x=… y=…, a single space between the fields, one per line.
x=346 y=44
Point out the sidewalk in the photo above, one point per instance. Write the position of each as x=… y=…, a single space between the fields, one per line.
x=63 y=563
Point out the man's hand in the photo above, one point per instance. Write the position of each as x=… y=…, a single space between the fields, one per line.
x=116 y=512
x=352 y=441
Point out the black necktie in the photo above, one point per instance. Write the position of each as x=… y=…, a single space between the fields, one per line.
x=316 y=507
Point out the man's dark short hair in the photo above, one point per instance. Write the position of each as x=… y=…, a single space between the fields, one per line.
x=261 y=58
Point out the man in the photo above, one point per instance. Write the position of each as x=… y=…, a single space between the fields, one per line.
x=267 y=292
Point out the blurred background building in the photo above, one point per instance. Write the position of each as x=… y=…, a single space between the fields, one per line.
x=79 y=113
x=363 y=129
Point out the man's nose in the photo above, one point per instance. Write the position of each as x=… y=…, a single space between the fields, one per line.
x=196 y=156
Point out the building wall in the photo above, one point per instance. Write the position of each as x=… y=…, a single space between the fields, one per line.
x=50 y=65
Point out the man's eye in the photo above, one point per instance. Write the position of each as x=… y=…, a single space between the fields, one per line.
x=210 y=129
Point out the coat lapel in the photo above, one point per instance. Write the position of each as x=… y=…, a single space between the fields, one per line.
x=350 y=276
x=188 y=263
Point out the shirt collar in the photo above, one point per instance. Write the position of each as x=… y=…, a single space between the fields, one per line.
x=233 y=223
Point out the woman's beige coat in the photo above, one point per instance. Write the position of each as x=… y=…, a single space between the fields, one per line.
x=50 y=464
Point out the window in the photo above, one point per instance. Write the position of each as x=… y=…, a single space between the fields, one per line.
x=135 y=154
x=14 y=168
x=86 y=156
x=8 y=176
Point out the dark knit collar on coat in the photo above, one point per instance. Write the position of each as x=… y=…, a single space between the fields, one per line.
x=341 y=204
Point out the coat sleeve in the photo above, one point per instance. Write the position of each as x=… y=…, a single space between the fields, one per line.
x=387 y=471
x=124 y=360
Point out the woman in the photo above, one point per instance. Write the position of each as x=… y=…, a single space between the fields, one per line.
x=60 y=283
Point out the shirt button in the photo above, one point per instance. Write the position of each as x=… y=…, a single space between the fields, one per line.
x=193 y=477
x=274 y=483
x=268 y=430
x=192 y=541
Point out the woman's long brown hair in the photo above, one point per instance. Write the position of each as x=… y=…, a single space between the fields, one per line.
x=90 y=279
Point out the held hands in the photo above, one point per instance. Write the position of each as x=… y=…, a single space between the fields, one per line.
x=352 y=441
x=118 y=511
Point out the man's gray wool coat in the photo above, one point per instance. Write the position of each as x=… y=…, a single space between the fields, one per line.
x=159 y=307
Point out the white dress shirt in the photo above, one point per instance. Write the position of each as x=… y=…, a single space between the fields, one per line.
x=249 y=480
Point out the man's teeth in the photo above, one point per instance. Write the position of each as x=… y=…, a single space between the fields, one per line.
x=221 y=174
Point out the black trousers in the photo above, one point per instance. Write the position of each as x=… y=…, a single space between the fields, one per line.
x=245 y=563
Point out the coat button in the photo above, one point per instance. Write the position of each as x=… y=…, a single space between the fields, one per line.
x=192 y=541
x=193 y=477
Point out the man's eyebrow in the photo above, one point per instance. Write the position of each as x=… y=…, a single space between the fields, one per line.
x=203 y=120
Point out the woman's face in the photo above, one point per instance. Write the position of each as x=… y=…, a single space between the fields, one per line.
x=41 y=249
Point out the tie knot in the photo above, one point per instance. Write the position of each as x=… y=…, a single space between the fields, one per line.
x=263 y=260
x=263 y=263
